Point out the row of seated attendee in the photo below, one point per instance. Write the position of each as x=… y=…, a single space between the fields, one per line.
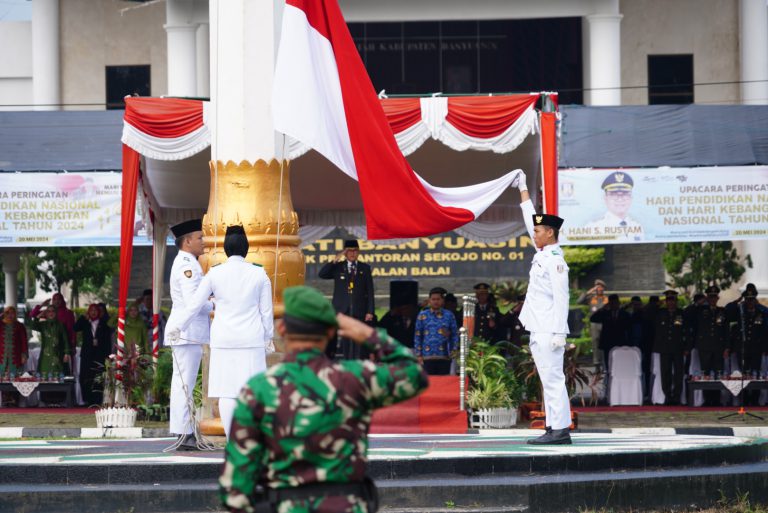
x=724 y=338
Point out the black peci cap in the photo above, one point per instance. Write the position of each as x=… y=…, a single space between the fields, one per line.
x=548 y=220
x=193 y=225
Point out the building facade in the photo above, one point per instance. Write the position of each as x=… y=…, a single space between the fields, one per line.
x=89 y=54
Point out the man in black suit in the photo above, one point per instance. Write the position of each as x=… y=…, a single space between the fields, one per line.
x=616 y=324
x=352 y=294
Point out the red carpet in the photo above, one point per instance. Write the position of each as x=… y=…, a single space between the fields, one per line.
x=436 y=410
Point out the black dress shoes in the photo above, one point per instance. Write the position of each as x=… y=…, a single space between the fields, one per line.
x=189 y=443
x=553 y=437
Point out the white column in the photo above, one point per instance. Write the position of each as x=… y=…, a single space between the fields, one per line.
x=753 y=48
x=243 y=42
x=203 y=53
x=11 y=268
x=181 y=33
x=46 y=67
x=602 y=59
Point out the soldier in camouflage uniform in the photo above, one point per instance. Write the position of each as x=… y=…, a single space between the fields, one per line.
x=300 y=429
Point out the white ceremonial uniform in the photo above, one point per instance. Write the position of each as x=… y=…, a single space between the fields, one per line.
x=242 y=326
x=186 y=275
x=545 y=314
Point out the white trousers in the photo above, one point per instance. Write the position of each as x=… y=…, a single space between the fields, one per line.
x=186 y=363
x=549 y=364
x=227 y=412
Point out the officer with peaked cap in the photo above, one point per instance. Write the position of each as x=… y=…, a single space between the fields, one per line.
x=545 y=315
x=300 y=429
x=186 y=275
x=242 y=326
x=353 y=293
x=486 y=313
x=616 y=224
x=709 y=332
x=749 y=336
x=671 y=341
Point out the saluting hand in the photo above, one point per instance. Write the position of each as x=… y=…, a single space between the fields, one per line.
x=355 y=330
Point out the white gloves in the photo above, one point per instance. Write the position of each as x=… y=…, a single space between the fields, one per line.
x=558 y=341
x=270 y=347
x=173 y=335
x=519 y=181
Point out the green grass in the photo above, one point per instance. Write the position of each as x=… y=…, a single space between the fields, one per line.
x=740 y=503
x=68 y=420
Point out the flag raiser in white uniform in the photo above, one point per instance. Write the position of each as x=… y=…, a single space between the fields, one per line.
x=546 y=302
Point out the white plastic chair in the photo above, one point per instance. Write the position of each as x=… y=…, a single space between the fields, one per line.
x=698 y=395
x=626 y=386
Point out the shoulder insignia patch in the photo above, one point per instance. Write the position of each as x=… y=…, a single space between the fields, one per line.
x=257 y=265
x=215 y=265
x=555 y=252
x=188 y=273
x=186 y=259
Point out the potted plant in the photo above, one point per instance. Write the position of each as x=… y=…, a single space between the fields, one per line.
x=494 y=389
x=575 y=377
x=525 y=368
x=126 y=384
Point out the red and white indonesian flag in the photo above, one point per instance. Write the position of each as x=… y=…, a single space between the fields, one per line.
x=324 y=98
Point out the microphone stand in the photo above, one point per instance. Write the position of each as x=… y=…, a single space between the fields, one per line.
x=742 y=411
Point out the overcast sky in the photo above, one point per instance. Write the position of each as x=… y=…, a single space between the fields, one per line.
x=15 y=10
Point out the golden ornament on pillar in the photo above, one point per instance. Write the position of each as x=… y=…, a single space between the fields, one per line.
x=252 y=195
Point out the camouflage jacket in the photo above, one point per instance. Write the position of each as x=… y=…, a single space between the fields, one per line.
x=306 y=420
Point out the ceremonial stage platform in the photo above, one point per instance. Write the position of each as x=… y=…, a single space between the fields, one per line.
x=491 y=471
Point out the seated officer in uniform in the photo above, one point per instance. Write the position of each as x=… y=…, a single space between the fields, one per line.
x=300 y=428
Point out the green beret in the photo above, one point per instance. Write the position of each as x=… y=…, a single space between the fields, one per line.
x=309 y=305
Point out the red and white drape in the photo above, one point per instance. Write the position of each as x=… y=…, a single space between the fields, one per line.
x=162 y=129
x=496 y=123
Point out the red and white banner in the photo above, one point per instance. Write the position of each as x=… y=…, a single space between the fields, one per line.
x=484 y=123
x=324 y=98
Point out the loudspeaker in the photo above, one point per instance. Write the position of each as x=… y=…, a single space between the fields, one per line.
x=403 y=292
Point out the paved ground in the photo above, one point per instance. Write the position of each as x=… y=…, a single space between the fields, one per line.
x=589 y=418
x=382 y=447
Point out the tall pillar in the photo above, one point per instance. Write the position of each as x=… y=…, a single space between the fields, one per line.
x=249 y=178
x=602 y=59
x=181 y=33
x=46 y=64
x=753 y=49
x=250 y=182
x=11 y=269
x=203 y=54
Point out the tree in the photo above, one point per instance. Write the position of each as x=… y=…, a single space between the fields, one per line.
x=580 y=259
x=692 y=266
x=86 y=269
